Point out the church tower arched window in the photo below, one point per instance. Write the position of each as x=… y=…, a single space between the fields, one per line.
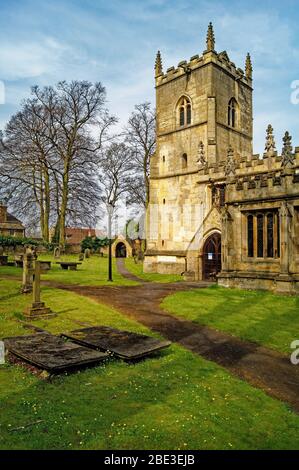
x=184 y=111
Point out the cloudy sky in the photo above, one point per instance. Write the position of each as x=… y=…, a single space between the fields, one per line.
x=115 y=42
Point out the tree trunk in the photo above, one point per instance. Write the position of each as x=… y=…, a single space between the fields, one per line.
x=40 y=201
x=47 y=206
x=63 y=208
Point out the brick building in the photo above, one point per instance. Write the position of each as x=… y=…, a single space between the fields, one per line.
x=10 y=225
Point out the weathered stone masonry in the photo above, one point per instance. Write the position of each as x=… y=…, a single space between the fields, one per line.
x=207 y=184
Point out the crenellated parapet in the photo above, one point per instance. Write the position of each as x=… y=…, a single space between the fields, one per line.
x=208 y=56
x=267 y=176
x=269 y=163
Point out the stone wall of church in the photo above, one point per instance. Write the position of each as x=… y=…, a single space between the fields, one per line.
x=180 y=215
x=267 y=257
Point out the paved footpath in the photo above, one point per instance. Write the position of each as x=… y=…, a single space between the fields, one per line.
x=264 y=368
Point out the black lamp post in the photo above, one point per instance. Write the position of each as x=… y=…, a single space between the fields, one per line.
x=110 y=213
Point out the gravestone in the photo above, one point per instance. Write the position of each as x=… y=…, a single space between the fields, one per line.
x=52 y=353
x=87 y=253
x=56 y=252
x=123 y=344
x=81 y=257
x=3 y=260
x=38 y=308
x=28 y=267
x=18 y=261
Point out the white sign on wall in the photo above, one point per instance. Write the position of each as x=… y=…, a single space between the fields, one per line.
x=166 y=259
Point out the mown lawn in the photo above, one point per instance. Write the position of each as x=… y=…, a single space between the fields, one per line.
x=172 y=401
x=93 y=271
x=268 y=319
x=137 y=269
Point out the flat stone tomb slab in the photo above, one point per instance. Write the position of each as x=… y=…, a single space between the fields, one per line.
x=52 y=353
x=123 y=344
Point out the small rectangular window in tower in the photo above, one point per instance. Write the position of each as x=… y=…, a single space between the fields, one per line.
x=222 y=195
x=184 y=161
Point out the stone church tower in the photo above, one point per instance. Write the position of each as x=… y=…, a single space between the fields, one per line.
x=216 y=210
x=204 y=107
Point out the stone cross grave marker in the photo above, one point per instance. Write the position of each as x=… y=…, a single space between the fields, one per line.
x=38 y=308
x=28 y=268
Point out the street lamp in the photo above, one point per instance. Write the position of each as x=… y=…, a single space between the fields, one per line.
x=110 y=214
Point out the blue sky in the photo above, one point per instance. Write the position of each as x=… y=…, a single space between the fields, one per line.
x=116 y=41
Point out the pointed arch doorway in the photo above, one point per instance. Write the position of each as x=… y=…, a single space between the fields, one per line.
x=212 y=256
x=120 y=250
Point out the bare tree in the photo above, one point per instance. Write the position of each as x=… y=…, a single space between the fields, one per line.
x=72 y=109
x=115 y=177
x=25 y=166
x=49 y=150
x=140 y=134
x=115 y=173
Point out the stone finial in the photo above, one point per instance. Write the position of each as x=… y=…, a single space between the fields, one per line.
x=270 y=148
x=201 y=160
x=158 y=65
x=248 y=66
x=286 y=210
x=287 y=154
x=230 y=167
x=210 y=38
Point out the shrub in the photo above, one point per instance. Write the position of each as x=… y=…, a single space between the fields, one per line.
x=93 y=243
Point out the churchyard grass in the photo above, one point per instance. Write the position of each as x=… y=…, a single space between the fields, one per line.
x=175 y=400
x=92 y=272
x=263 y=317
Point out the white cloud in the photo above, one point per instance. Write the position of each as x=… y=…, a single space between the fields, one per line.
x=21 y=60
x=117 y=43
